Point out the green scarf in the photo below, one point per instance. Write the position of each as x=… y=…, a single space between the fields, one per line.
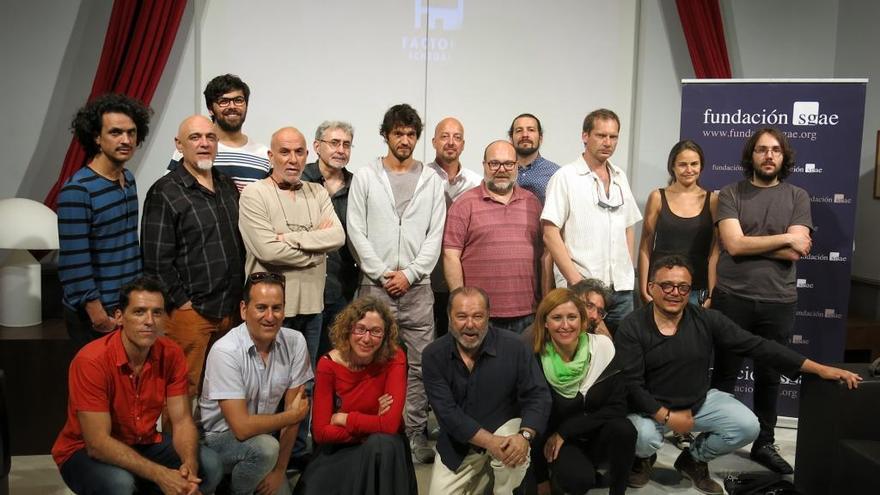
x=566 y=378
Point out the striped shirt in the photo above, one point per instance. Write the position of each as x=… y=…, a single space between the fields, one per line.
x=98 y=234
x=191 y=242
x=244 y=165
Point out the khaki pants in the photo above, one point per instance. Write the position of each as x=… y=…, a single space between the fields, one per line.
x=478 y=471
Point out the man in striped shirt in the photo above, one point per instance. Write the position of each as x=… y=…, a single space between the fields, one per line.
x=98 y=216
x=239 y=158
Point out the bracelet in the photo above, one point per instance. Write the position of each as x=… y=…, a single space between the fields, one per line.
x=666 y=419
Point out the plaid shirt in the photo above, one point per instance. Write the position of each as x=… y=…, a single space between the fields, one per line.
x=191 y=242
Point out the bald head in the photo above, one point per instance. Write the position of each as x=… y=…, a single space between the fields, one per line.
x=448 y=140
x=499 y=167
x=197 y=142
x=496 y=147
x=288 y=154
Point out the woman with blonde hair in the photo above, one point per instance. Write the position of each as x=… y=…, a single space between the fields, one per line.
x=588 y=425
x=357 y=413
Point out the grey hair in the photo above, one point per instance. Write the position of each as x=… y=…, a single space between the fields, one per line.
x=588 y=285
x=333 y=124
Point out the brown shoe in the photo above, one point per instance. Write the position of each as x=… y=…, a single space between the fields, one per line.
x=698 y=473
x=641 y=471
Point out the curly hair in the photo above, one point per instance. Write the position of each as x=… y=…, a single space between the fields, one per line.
x=353 y=313
x=221 y=85
x=748 y=164
x=401 y=115
x=553 y=299
x=89 y=119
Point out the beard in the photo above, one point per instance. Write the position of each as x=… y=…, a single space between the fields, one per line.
x=527 y=149
x=766 y=176
x=498 y=188
x=204 y=165
x=403 y=154
x=227 y=126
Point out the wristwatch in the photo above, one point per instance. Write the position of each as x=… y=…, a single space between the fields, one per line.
x=527 y=435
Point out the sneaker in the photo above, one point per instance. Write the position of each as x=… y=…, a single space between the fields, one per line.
x=640 y=474
x=698 y=473
x=768 y=456
x=422 y=453
x=682 y=440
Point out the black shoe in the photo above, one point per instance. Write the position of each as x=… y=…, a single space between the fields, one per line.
x=768 y=456
x=682 y=440
x=299 y=463
x=698 y=473
x=640 y=474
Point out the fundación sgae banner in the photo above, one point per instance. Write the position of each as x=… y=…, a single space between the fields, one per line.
x=823 y=121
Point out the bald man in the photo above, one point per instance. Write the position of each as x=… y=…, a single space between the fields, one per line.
x=493 y=241
x=190 y=241
x=448 y=143
x=288 y=227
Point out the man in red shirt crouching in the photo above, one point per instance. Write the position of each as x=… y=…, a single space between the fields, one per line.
x=118 y=385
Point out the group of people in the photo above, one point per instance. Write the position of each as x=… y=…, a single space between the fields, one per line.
x=239 y=290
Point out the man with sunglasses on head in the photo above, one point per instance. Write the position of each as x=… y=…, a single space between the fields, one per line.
x=589 y=215
x=238 y=157
x=249 y=372
x=493 y=241
x=666 y=347
x=765 y=226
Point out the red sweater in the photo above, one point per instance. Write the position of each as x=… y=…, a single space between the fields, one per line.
x=357 y=393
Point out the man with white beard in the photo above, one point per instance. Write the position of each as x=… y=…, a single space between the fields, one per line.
x=191 y=242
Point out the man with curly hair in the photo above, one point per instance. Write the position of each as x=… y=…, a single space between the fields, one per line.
x=98 y=216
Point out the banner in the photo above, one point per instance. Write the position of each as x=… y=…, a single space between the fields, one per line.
x=822 y=120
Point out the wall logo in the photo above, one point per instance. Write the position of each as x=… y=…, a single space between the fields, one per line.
x=451 y=17
x=437 y=18
x=802 y=283
x=799 y=339
x=807 y=113
x=811 y=168
x=836 y=198
x=831 y=256
x=829 y=313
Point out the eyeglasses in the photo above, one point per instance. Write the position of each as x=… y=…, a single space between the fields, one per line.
x=599 y=311
x=257 y=277
x=335 y=143
x=495 y=165
x=361 y=330
x=669 y=287
x=611 y=205
x=762 y=150
x=224 y=102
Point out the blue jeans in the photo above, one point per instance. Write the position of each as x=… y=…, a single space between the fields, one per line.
x=248 y=461
x=88 y=476
x=516 y=324
x=725 y=422
x=620 y=305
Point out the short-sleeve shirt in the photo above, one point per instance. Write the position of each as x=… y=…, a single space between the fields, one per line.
x=500 y=245
x=235 y=370
x=535 y=176
x=761 y=211
x=454 y=187
x=595 y=236
x=101 y=380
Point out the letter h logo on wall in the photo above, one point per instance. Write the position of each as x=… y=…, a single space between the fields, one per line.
x=452 y=17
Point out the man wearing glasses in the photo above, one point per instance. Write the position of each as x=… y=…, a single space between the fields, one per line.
x=666 y=348
x=249 y=372
x=493 y=241
x=238 y=157
x=589 y=215
x=765 y=226
x=333 y=144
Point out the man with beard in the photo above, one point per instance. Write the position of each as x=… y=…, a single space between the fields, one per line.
x=665 y=347
x=490 y=399
x=764 y=225
x=332 y=144
x=595 y=296
x=98 y=216
x=589 y=216
x=396 y=211
x=238 y=157
x=448 y=144
x=190 y=240
x=493 y=241
x=535 y=171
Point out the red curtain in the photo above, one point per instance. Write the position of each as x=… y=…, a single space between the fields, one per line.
x=704 y=32
x=136 y=47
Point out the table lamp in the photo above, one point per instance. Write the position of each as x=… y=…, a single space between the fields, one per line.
x=24 y=224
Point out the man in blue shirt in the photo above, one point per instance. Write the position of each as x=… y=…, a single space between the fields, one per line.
x=535 y=171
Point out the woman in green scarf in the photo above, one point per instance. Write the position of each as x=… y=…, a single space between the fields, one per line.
x=588 y=426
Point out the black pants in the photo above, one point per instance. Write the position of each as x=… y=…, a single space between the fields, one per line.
x=574 y=470
x=441 y=316
x=772 y=321
x=79 y=326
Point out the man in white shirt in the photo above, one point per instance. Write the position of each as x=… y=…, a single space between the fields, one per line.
x=589 y=215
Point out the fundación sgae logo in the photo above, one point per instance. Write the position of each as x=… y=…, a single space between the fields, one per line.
x=833 y=256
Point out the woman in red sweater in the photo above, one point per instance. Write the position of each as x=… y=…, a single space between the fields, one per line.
x=357 y=413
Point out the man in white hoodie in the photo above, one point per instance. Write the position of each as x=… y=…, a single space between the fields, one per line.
x=396 y=212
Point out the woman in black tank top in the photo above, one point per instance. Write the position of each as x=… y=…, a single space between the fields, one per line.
x=679 y=220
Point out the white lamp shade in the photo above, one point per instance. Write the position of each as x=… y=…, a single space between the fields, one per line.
x=27 y=224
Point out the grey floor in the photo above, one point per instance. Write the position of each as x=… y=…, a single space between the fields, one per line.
x=37 y=475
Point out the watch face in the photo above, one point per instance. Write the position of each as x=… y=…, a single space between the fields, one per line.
x=526 y=434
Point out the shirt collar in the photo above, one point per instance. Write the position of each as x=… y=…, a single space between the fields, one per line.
x=488 y=346
x=537 y=161
x=118 y=354
x=583 y=169
x=515 y=196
